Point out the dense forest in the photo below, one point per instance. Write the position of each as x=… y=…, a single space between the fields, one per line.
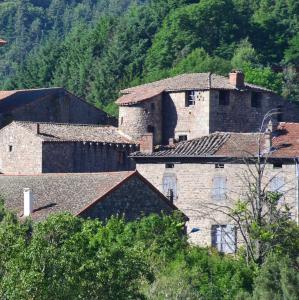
x=96 y=47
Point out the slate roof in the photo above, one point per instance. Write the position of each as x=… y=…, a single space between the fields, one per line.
x=10 y=100
x=56 y=193
x=285 y=144
x=56 y=132
x=193 y=81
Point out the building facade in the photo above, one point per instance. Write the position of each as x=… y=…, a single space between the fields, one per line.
x=34 y=148
x=206 y=175
x=49 y=105
x=193 y=105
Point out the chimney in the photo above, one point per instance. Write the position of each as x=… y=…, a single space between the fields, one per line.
x=268 y=139
x=236 y=78
x=37 y=128
x=28 y=202
x=171 y=142
x=147 y=143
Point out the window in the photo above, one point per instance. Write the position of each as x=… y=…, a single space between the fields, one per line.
x=153 y=107
x=219 y=188
x=219 y=166
x=277 y=185
x=151 y=129
x=169 y=166
x=224 y=238
x=190 y=98
x=170 y=186
x=183 y=138
x=223 y=97
x=256 y=99
x=277 y=165
x=10 y=148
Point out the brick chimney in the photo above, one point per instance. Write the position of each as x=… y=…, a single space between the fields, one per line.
x=147 y=143
x=28 y=202
x=236 y=78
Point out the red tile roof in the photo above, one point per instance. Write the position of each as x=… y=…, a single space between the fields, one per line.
x=195 y=81
x=285 y=144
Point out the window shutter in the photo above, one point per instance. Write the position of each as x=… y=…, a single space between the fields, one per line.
x=219 y=188
x=229 y=239
x=277 y=185
x=169 y=183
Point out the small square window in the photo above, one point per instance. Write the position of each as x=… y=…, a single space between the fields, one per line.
x=183 y=138
x=223 y=97
x=169 y=166
x=277 y=165
x=10 y=148
x=256 y=99
x=190 y=98
x=219 y=166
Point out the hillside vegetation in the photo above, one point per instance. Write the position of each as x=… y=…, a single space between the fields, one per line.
x=96 y=47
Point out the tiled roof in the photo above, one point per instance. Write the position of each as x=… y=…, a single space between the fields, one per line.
x=194 y=81
x=285 y=144
x=55 y=132
x=56 y=193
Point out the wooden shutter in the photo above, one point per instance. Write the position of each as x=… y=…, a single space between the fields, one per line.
x=229 y=239
x=219 y=188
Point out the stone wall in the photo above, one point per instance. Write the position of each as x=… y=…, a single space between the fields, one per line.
x=20 y=151
x=86 y=157
x=133 y=199
x=60 y=107
x=135 y=120
x=195 y=187
x=178 y=119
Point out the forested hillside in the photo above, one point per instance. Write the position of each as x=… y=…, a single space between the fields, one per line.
x=96 y=47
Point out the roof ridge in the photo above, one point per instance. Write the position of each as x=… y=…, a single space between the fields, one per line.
x=64 y=124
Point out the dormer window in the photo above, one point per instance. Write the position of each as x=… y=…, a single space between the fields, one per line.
x=190 y=98
x=223 y=97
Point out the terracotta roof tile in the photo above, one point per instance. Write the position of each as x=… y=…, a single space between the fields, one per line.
x=55 y=132
x=285 y=144
x=193 y=81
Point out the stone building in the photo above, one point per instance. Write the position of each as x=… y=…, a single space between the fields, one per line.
x=33 y=148
x=49 y=105
x=203 y=174
x=94 y=195
x=193 y=105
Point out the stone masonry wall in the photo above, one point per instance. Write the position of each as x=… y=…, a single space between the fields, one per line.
x=134 y=199
x=178 y=119
x=194 y=190
x=86 y=157
x=239 y=116
x=60 y=108
x=20 y=151
x=134 y=120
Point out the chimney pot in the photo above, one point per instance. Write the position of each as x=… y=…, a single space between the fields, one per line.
x=28 y=202
x=147 y=143
x=236 y=78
